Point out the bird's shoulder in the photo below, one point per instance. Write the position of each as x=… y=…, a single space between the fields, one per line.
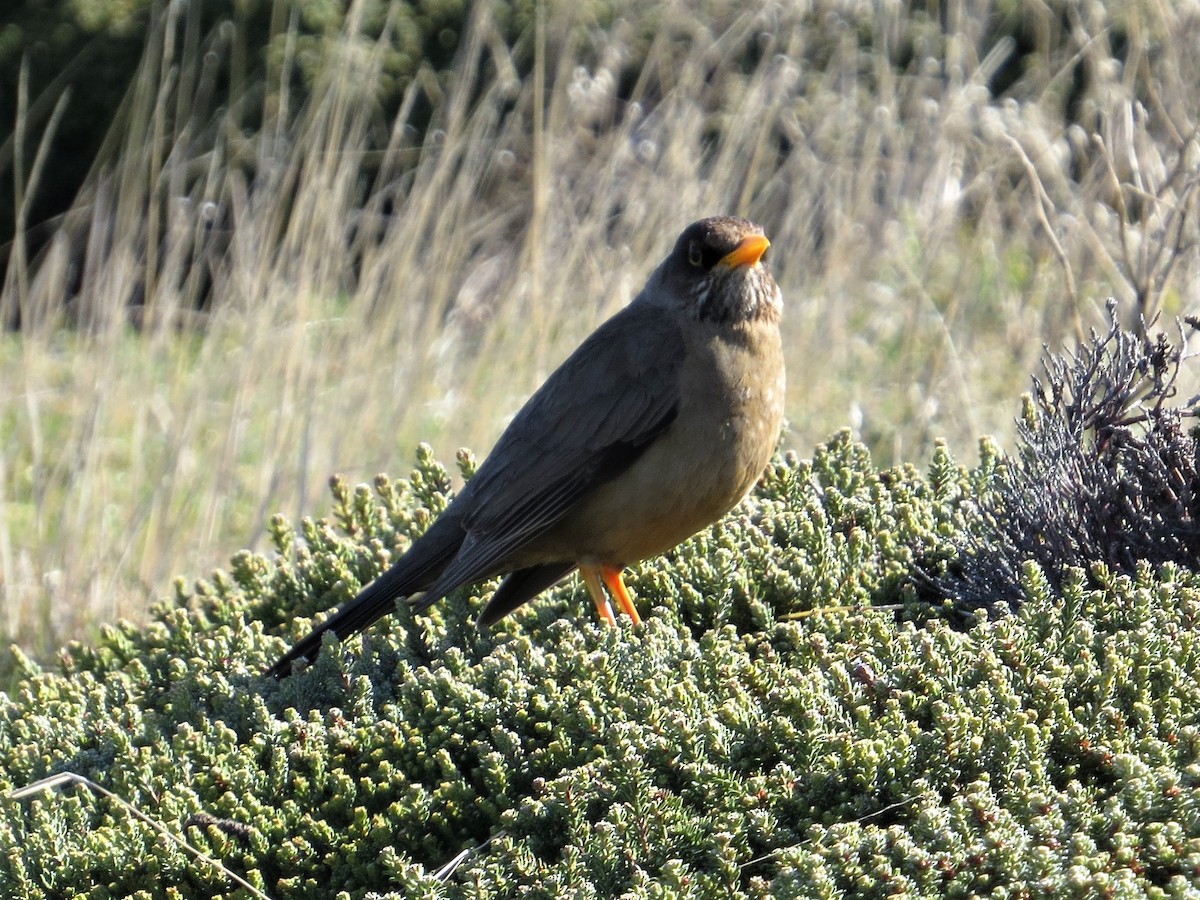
x=618 y=388
x=637 y=351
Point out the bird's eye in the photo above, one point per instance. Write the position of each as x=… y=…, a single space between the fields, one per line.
x=695 y=254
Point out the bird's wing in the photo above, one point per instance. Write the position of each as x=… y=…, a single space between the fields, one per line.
x=595 y=415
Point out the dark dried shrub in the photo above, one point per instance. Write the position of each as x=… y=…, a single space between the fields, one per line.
x=1106 y=472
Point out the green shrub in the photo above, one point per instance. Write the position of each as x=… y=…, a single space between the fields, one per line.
x=766 y=732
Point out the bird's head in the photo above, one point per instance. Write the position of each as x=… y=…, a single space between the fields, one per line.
x=717 y=272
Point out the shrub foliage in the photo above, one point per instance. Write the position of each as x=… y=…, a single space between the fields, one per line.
x=768 y=731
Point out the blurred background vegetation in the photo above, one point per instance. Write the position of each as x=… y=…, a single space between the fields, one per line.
x=247 y=245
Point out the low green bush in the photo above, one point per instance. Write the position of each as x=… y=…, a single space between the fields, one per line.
x=770 y=730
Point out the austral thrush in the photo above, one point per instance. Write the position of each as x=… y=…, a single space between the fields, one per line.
x=656 y=426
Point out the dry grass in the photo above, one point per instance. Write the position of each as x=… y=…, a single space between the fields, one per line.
x=928 y=238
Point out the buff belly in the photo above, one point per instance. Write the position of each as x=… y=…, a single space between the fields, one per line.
x=690 y=476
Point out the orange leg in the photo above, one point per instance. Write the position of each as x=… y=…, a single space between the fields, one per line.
x=591 y=577
x=616 y=586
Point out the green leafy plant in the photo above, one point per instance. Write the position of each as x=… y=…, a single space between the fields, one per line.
x=768 y=732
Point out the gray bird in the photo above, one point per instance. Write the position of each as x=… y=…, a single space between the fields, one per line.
x=655 y=427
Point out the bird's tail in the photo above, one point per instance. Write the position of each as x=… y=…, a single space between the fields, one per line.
x=412 y=573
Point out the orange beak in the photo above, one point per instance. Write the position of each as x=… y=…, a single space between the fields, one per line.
x=746 y=253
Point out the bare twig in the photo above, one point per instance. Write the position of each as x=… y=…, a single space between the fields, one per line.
x=1044 y=204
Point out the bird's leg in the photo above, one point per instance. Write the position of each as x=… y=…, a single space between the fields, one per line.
x=616 y=586
x=591 y=577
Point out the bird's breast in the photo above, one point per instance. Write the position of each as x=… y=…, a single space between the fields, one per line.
x=730 y=412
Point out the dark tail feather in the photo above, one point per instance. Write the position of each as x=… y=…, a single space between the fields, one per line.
x=413 y=572
x=520 y=587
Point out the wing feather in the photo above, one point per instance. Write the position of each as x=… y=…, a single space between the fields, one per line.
x=590 y=421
